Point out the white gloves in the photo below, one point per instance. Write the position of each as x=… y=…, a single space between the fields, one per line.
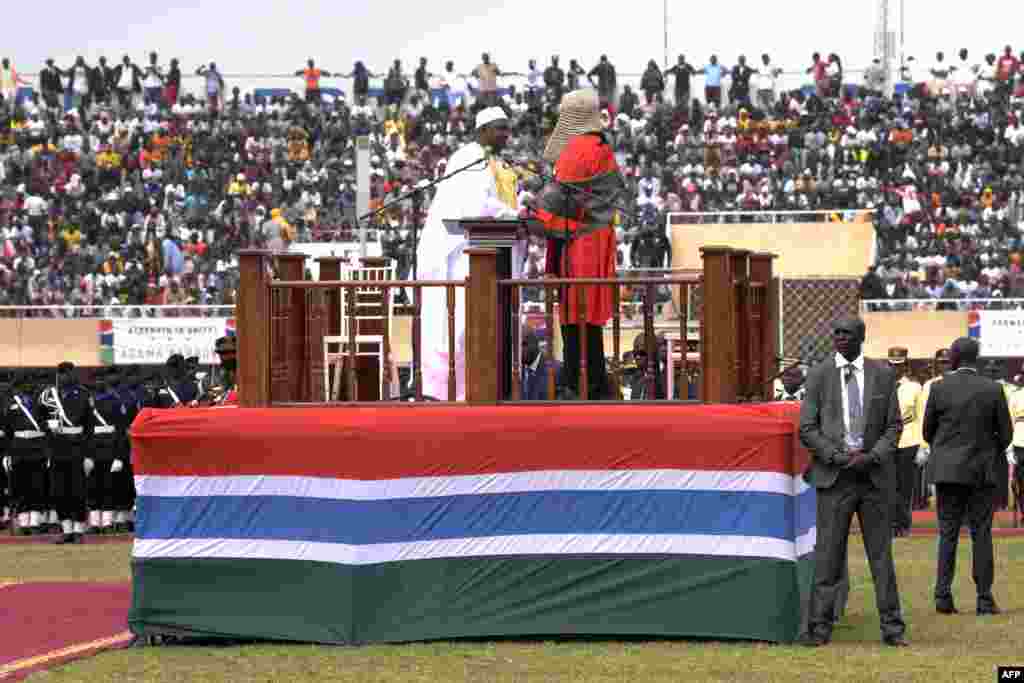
x=7 y=463
x=921 y=458
x=88 y=465
x=116 y=466
x=1011 y=457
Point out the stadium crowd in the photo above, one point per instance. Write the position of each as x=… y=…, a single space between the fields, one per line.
x=117 y=188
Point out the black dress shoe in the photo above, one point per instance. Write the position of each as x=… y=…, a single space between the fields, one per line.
x=992 y=609
x=814 y=640
x=895 y=641
x=946 y=608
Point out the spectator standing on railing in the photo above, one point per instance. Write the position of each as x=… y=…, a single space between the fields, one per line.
x=682 y=73
x=713 y=74
x=487 y=74
x=607 y=80
x=9 y=82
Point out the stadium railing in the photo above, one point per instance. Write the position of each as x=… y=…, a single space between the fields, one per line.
x=118 y=311
x=767 y=216
x=904 y=305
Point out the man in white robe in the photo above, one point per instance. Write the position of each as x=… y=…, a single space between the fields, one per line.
x=487 y=189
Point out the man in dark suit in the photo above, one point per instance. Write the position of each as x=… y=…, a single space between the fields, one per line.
x=534 y=386
x=850 y=422
x=967 y=426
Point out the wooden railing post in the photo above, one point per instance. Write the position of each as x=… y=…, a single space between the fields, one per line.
x=330 y=271
x=761 y=270
x=253 y=324
x=741 y=277
x=718 y=331
x=482 y=369
x=291 y=267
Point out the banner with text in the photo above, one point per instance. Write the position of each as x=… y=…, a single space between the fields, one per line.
x=151 y=341
x=1001 y=333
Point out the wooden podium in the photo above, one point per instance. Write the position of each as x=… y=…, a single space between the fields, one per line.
x=489 y=314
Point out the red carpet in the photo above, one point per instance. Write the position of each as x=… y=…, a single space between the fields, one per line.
x=46 y=624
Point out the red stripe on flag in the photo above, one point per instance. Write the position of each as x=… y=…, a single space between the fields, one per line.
x=396 y=442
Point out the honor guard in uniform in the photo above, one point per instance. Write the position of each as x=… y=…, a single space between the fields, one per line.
x=177 y=389
x=5 y=460
x=109 y=432
x=225 y=392
x=132 y=394
x=790 y=386
x=905 y=473
x=70 y=423
x=28 y=451
x=1001 y=500
x=941 y=366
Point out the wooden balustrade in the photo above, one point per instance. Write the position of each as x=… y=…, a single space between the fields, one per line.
x=282 y=324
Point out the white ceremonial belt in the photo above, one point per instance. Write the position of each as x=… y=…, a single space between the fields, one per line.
x=108 y=429
x=69 y=431
x=28 y=434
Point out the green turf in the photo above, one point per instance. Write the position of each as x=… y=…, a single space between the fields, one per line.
x=958 y=648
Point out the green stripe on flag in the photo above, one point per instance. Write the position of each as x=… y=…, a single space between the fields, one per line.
x=704 y=597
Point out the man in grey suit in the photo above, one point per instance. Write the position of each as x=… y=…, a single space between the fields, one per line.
x=967 y=425
x=850 y=422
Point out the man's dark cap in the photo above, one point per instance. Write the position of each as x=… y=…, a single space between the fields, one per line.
x=898 y=355
x=942 y=354
x=228 y=344
x=66 y=367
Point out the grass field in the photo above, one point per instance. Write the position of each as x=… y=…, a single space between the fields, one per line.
x=959 y=648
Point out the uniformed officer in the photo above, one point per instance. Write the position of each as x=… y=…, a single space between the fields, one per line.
x=904 y=464
x=941 y=366
x=790 y=385
x=226 y=390
x=5 y=460
x=70 y=424
x=109 y=432
x=132 y=393
x=28 y=452
x=1001 y=500
x=177 y=389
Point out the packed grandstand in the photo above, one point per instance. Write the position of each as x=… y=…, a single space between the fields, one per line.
x=119 y=187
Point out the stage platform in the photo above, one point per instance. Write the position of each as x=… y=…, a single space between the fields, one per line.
x=392 y=524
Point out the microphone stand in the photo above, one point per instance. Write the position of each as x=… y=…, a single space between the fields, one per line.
x=408 y=195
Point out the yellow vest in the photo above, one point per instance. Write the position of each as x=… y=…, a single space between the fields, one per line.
x=1017 y=414
x=922 y=401
x=908 y=392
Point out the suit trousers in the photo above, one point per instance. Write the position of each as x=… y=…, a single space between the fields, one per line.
x=597 y=376
x=852 y=494
x=905 y=472
x=1001 y=499
x=959 y=503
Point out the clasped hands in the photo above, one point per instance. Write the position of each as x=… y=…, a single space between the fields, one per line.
x=853 y=460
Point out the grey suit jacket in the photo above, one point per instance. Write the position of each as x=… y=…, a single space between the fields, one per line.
x=823 y=429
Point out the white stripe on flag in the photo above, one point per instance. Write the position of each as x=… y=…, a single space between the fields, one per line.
x=434 y=487
x=493 y=546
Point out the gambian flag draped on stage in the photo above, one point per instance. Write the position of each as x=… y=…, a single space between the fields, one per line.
x=375 y=525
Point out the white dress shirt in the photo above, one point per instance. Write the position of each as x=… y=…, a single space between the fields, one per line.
x=858 y=372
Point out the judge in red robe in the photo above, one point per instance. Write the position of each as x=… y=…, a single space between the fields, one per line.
x=578 y=211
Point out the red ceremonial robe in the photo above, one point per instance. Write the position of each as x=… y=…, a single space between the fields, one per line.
x=584 y=159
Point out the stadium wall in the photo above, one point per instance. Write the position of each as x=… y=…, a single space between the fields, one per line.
x=809 y=308
x=804 y=249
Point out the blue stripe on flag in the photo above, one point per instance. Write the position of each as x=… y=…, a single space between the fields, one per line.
x=424 y=519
